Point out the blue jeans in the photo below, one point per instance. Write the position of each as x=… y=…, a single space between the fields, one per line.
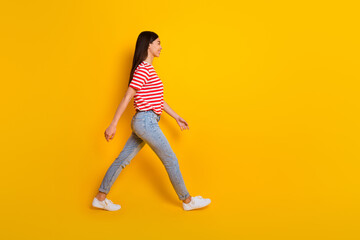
x=145 y=129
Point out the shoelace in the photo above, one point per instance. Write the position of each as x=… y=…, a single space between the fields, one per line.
x=107 y=201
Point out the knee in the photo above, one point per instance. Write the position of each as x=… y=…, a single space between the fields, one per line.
x=172 y=163
x=120 y=162
x=123 y=165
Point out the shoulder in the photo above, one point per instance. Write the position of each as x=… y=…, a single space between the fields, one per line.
x=143 y=68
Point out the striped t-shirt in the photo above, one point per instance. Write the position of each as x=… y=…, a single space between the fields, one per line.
x=150 y=89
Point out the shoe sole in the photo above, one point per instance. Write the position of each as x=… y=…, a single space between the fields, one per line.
x=197 y=207
x=101 y=208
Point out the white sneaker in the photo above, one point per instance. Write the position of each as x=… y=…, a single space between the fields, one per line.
x=196 y=202
x=105 y=204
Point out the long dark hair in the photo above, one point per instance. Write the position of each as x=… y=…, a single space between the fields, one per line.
x=141 y=49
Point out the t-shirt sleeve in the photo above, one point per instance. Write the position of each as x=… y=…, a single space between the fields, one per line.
x=140 y=78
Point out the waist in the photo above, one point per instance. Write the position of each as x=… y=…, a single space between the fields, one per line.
x=147 y=111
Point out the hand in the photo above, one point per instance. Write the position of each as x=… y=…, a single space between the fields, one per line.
x=182 y=123
x=110 y=132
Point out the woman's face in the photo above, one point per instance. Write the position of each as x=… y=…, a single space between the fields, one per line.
x=155 y=47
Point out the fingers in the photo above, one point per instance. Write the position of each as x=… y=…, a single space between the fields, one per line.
x=183 y=124
x=183 y=127
x=186 y=124
x=107 y=137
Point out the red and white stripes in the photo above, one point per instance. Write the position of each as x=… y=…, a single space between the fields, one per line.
x=150 y=89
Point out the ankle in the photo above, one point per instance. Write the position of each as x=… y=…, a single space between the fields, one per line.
x=101 y=196
x=187 y=200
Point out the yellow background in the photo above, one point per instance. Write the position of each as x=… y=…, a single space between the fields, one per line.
x=270 y=90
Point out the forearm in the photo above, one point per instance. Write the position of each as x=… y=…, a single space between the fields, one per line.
x=169 y=111
x=120 y=110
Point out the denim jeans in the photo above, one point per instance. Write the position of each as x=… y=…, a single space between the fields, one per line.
x=145 y=129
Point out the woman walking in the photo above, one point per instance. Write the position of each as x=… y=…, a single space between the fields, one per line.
x=147 y=89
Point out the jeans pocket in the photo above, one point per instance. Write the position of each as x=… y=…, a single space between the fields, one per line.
x=153 y=123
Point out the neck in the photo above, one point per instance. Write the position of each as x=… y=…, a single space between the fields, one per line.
x=149 y=59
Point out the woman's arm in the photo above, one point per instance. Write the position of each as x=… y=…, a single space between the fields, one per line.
x=123 y=104
x=110 y=131
x=169 y=111
x=182 y=123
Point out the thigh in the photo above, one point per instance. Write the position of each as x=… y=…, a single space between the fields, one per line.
x=133 y=145
x=156 y=139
